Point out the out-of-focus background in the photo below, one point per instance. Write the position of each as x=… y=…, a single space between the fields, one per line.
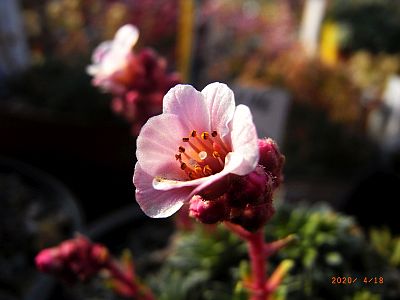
x=321 y=77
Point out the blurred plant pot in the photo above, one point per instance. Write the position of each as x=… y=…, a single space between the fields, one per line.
x=37 y=211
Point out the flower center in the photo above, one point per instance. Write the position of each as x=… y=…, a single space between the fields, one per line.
x=202 y=154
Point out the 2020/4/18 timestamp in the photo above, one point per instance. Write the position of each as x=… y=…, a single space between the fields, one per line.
x=366 y=280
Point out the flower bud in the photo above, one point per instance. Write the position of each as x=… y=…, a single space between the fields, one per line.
x=271 y=159
x=208 y=211
x=99 y=255
x=48 y=261
x=73 y=259
x=253 y=217
x=249 y=188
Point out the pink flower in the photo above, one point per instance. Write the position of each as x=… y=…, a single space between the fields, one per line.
x=192 y=148
x=111 y=58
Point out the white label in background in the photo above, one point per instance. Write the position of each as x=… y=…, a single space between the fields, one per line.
x=384 y=123
x=391 y=134
x=392 y=93
x=313 y=15
x=269 y=108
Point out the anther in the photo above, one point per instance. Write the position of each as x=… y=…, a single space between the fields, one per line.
x=191 y=175
x=207 y=170
x=185 y=139
x=197 y=169
x=214 y=133
x=193 y=133
x=216 y=154
x=183 y=166
x=205 y=135
x=181 y=149
x=178 y=156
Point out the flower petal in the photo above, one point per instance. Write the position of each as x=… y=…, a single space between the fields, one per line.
x=157 y=145
x=220 y=101
x=244 y=140
x=125 y=38
x=187 y=103
x=154 y=203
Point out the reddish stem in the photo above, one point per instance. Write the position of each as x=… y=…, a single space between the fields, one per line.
x=257 y=255
x=134 y=289
x=258 y=265
x=273 y=247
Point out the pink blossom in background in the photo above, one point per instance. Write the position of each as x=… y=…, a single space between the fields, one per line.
x=192 y=148
x=143 y=95
x=111 y=60
x=136 y=80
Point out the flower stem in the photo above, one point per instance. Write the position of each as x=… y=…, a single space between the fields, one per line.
x=258 y=260
x=134 y=289
x=255 y=244
x=273 y=247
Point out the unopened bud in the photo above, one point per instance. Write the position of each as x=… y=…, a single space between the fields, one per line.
x=208 y=211
x=67 y=250
x=253 y=217
x=48 y=261
x=99 y=255
x=271 y=159
x=248 y=189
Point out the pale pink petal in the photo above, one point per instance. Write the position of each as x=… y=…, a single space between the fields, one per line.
x=188 y=103
x=154 y=203
x=220 y=101
x=157 y=145
x=125 y=38
x=101 y=51
x=244 y=140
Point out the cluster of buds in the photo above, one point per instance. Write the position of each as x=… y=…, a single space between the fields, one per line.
x=143 y=93
x=136 y=80
x=248 y=200
x=72 y=260
x=79 y=259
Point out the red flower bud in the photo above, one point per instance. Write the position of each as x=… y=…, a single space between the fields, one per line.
x=271 y=159
x=253 y=217
x=100 y=255
x=249 y=188
x=208 y=211
x=73 y=259
x=48 y=261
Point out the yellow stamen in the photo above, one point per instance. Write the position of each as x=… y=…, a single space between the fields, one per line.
x=197 y=169
x=216 y=154
x=207 y=170
x=205 y=135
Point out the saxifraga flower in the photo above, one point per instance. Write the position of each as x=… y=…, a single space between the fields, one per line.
x=202 y=146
